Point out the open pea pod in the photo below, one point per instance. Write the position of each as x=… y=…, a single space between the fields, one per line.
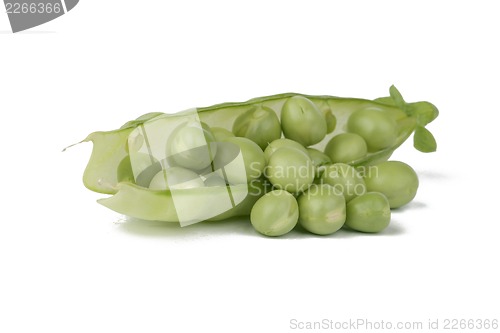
x=121 y=157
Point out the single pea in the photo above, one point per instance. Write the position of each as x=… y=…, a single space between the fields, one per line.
x=244 y=169
x=302 y=121
x=275 y=214
x=346 y=148
x=378 y=129
x=369 y=212
x=290 y=169
x=322 y=209
x=191 y=145
x=345 y=179
x=138 y=168
x=124 y=170
x=176 y=178
x=319 y=160
x=331 y=121
x=259 y=124
x=396 y=180
x=280 y=143
x=221 y=133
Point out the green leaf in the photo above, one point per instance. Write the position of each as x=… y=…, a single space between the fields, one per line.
x=397 y=97
x=423 y=140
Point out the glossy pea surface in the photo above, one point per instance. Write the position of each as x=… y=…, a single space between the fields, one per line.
x=395 y=179
x=275 y=214
x=302 y=121
x=281 y=143
x=378 y=129
x=346 y=148
x=290 y=169
x=259 y=124
x=322 y=210
x=369 y=212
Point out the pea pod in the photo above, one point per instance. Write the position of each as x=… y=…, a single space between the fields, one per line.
x=103 y=173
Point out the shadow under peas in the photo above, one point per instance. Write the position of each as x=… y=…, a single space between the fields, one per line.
x=394 y=229
x=410 y=206
x=431 y=175
x=233 y=226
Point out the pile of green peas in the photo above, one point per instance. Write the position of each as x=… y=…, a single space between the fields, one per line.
x=319 y=190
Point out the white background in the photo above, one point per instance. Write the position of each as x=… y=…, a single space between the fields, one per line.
x=68 y=264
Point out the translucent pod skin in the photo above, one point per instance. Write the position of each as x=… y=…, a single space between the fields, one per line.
x=221 y=133
x=396 y=180
x=290 y=169
x=345 y=179
x=331 y=120
x=302 y=121
x=322 y=210
x=260 y=124
x=378 y=129
x=275 y=214
x=280 y=143
x=346 y=148
x=369 y=212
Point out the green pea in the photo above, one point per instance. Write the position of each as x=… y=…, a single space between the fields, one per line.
x=322 y=210
x=290 y=169
x=275 y=214
x=260 y=124
x=302 y=121
x=377 y=128
x=253 y=161
x=319 y=160
x=331 y=120
x=144 y=165
x=192 y=146
x=345 y=179
x=346 y=148
x=280 y=143
x=124 y=171
x=221 y=133
x=396 y=180
x=369 y=212
x=176 y=178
